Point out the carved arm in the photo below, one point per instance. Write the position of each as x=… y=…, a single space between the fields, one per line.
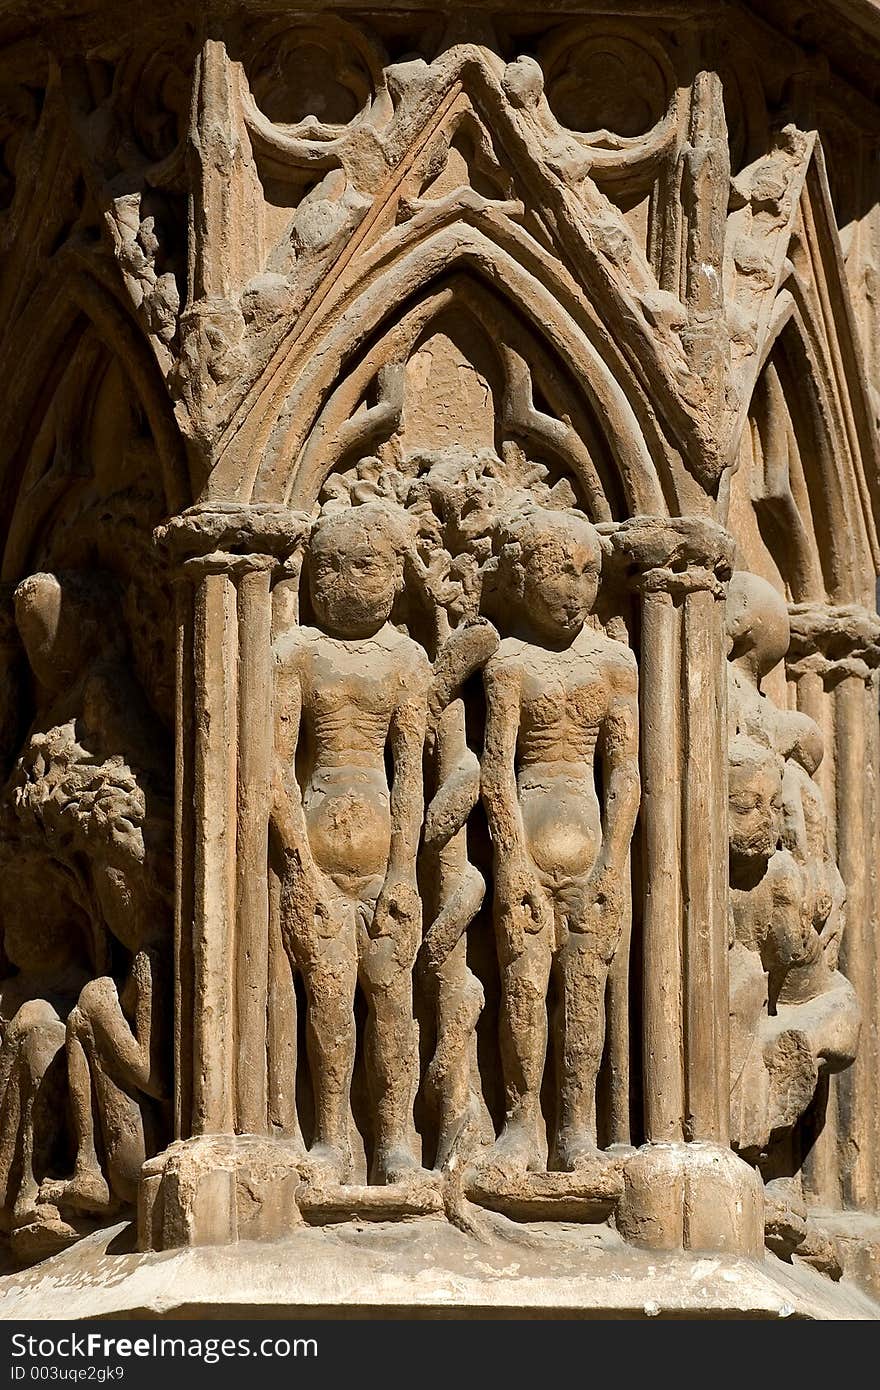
x=407 y=740
x=498 y=775
x=620 y=754
x=287 y=814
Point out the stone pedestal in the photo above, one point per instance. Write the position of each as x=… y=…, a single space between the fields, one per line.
x=422 y=1269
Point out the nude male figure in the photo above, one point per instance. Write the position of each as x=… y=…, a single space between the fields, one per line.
x=557 y=692
x=350 y=700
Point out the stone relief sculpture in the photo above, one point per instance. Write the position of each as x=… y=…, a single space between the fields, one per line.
x=794 y=1015
x=47 y=966
x=386 y=398
x=348 y=809
x=557 y=693
x=344 y=690
x=76 y=813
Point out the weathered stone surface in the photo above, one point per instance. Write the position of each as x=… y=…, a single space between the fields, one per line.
x=424 y=1269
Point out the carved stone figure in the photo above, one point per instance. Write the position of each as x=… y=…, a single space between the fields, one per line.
x=794 y=1013
x=77 y=815
x=345 y=689
x=45 y=947
x=558 y=694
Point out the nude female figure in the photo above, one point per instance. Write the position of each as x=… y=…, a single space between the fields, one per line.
x=350 y=701
x=557 y=694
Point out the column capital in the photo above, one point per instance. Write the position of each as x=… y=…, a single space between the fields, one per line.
x=231 y=537
x=675 y=555
x=833 y=640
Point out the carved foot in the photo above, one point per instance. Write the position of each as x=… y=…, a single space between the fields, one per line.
x=326 y=1165
x=395 y=1164
x=40 y=1230
x=576 y=1150
x=87 y=1191
x=516 y=1151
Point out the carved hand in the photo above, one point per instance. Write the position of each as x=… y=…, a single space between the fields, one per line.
x=518 y=894
x=398 y=909
x=594 y=903
x=304 y=900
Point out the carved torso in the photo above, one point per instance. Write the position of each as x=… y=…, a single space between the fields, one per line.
x=350 y=691
x=564 y=699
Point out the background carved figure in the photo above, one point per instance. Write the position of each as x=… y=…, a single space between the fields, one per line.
x=77 y=813
x=794 y=1015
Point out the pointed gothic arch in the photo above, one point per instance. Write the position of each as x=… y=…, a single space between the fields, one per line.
x=260 y=461
x=69 y=316
x=807 y=448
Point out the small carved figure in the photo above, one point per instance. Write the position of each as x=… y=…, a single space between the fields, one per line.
x=793 y=1013
x=79 y=803
x=44 y=940
x=557 y=691
x=352 y=692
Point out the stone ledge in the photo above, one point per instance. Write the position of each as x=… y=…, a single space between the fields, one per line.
x=421 y=1269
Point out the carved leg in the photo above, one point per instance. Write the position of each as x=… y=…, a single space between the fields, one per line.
x=579 y=1025
x=391 y=1054
x=39 y=1107
x=106 y=1063
x=33 y=1040
x=88 y=1189
x=329 y=971
x=523 y=1036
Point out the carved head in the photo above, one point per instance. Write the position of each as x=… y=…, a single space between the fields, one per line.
x=62 y=620
x=754 y=800
x=758 y=628
x=549 y=565
x=355 y=568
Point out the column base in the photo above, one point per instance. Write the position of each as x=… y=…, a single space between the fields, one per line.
x=218 y=1189
x=696 y=1196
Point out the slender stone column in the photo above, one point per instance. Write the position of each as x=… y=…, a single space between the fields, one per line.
x=834 y=656
x=685 y=1187
x=662 y=1023
x=225 y=559
x=226 y=1176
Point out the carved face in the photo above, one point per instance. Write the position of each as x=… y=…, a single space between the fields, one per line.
x=757 y=623
x=754 y=801
x=355 y=572
x=560 y=575
x=38 y=616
